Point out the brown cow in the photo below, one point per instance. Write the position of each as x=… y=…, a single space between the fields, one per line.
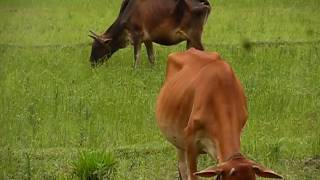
x=202 y=108
x=165 y=22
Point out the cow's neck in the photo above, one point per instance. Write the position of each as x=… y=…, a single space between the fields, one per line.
x=227 y=146
x=116 y=29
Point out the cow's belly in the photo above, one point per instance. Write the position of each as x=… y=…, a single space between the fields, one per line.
x=175 y=135
x=173 y=114
x=164 y=37
x=168 y=41
x=172 y=133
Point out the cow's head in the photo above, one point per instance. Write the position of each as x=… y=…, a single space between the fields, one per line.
x=104 y=46
x=238 y=169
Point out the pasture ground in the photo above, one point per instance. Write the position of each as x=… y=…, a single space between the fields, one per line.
x=53 y=105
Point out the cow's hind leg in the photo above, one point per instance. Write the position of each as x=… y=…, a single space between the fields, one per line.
x=188 y=45
x=194 y=39
x=150 y=51
x=196 y=43
x=198 y=6
x=136 y=40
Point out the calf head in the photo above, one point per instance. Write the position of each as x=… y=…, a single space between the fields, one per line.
x=238 y=169
x=104 y=46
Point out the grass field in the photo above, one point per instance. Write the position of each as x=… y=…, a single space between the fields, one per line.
x=53 y=105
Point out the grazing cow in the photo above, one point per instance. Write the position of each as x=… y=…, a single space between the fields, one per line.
x=202 y=108
x=165 y=22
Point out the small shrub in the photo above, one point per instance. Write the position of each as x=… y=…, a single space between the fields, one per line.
x=94 y=165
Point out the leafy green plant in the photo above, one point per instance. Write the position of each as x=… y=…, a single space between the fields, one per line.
x=94 y=165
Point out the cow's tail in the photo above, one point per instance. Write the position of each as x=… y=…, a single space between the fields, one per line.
x=206 y=16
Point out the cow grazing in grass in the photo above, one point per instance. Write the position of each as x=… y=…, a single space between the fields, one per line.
x=202 y=108
x=165 y=22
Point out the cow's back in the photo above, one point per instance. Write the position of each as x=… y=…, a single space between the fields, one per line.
x=149 y=14
x=182 y=70
x=219 y=101
x=198 y=86
x=175 y=101
x=161 y=21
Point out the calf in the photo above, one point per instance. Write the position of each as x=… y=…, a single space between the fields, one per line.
x=202 y=108
x=165 y=22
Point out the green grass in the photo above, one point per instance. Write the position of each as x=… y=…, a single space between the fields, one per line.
x=53 y=105
x=93 y=165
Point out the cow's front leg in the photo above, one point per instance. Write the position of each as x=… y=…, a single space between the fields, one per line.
x=182 y=165
x=137 y=51
x=191 y=155
x=150 y=52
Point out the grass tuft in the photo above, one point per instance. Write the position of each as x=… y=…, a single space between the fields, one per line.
x=94 y=165
x=275 y=150
x=246 y=44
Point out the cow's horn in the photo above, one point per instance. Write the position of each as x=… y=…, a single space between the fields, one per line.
x=94 y=34
x=93 y=37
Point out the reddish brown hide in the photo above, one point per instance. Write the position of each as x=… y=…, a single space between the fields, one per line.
x=165 y=22
x=202 y=108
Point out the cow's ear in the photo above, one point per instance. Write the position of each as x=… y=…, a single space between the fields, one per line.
x=101 y=39
x=265 y=172
x=106 y=40
x=209 y=172
x=93 y=35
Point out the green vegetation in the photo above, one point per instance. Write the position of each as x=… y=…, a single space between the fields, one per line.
x=93 y=165
x=53 y=105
